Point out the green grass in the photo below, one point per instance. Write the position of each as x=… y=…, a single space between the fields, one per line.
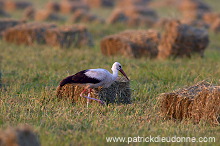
x=30 y=75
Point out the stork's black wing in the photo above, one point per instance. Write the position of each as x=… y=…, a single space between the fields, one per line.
x=79 y=78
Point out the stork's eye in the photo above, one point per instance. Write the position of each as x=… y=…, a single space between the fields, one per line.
x=119 y=66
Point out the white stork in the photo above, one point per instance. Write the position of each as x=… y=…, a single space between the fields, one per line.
x=94 y=78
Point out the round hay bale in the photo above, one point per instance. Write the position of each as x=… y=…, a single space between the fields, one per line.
x=22 y=135
x=45 y=15
x=53 y=6
x=69 y=7
x=99 y=3
x=118 y=92
x=15 y=5
x=28 y=33
x=198 y=102
x=131 y=43
x=84 y=16
x=180 y=40
x=67 y=36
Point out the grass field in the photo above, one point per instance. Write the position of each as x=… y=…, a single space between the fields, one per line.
x=30 y=75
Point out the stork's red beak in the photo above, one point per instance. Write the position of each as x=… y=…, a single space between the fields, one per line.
x=121 y=70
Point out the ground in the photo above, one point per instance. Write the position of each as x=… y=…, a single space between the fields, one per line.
x=30 y=75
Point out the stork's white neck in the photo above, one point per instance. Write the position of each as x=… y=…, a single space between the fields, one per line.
x=114 y=74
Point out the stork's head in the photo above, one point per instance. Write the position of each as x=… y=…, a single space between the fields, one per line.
x=117 y=66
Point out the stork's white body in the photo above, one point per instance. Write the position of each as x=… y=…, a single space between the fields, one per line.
x=94 y=78
x=105 y=77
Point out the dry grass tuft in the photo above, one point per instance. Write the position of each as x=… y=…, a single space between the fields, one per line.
x=64 y=37
x=181 y=40
x=28 y=33
x=132 y=43
x=198 y=102
x=20 y=136
x=118 y=92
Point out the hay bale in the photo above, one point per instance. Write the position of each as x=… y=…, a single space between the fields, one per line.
x=140 y=10
x=0 y=77
x=161 y=22
x=28 y=33
x=2 y=3
x=189 y=16
x=8 y=23
x=99 y=3
x=211 y=17
x=164 y=3
x=215 y=27
x=128 y=3
x=68 y=36
x=45 y=15
x=117 y=16
x=29 y=13
x=84 y=16
x=53 y=6
x=198 y=102
x=180 y=40
x=118 y=92
x=133 y=16
x=69 y=7
x=21 y=135
x=3 y=13
x=15 y=5
x=196 y=23
x=194 y=5
x=131 y=43
x=193 y=9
